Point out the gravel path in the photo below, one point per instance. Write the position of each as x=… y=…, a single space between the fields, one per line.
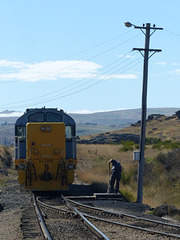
x=11 y=200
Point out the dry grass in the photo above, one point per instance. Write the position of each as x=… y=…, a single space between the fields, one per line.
x=6 y=164
x=93 y=167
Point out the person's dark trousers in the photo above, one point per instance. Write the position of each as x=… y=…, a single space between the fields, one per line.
x=115 y=176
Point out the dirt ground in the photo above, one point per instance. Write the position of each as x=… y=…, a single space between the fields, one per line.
x=11 y=200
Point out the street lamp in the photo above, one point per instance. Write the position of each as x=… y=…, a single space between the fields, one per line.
x=146 y=56
x=128 y=24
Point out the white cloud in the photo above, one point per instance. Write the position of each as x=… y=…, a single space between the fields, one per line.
x=54 y=70
x=13 y=114
x=5 y=63
x=161 y=63
x=125 y=56
x=177 y=71
x=175 y=64
x=48 y=70
x=119 y=76
x=85 y=111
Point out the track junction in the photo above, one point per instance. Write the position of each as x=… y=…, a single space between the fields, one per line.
x=63 y=218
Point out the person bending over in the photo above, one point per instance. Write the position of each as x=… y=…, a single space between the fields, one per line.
x=115 y=175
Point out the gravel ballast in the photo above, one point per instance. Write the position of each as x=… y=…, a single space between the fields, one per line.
x=11 y=201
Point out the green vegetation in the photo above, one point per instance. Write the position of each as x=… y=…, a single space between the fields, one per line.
x=126 y=176
x=168 y=144
x=150 y=140
x=156 y=143
x=170 y=161
x=128 y=196
x=128 y=146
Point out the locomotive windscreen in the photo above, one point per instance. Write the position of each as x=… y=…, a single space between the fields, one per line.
x=53 y=117
x=42 y=117
x=36 y=117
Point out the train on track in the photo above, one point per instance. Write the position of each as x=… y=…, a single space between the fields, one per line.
x=45 y=149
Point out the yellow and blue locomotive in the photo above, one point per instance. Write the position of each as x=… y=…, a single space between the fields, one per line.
x=45 y=149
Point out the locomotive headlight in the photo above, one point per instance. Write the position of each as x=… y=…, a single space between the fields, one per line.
x=21 y=166
x=71 y=166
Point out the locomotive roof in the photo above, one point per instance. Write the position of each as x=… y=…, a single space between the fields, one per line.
x=66 y=118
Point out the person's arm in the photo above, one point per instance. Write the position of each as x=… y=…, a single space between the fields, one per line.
x=110 y=161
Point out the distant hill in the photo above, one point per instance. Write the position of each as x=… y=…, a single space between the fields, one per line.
x=9 y=117
x=87 y=124
x=94 y=123
x=158 y=126
x=119 y=117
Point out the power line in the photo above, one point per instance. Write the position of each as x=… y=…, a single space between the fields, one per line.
x=120 y=60
x=85 y=88
x=82 y=89
x=176 y=34
x=95 y=46
x=79 y=62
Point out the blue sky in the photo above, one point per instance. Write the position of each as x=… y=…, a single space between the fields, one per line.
x=77 y=55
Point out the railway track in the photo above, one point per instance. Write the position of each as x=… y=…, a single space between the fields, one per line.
x=116 y=225
x=68 y=223
x=32 y=222
x=134 y=222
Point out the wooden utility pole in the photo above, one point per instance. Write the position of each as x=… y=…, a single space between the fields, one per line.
x=145 y=53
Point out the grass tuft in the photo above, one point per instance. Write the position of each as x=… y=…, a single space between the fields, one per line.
x=128 y=196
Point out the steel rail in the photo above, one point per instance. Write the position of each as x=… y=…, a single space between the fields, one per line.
x=134 y=227
x=94 y=229
x=120 y=214
x=110 y=221
x=42 y=224
x=53 y=207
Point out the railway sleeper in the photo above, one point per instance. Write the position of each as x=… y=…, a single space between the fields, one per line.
x=29 y=224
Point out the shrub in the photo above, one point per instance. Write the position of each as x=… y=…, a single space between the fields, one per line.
x=128 y=196
x=158 y=146
x=151 y=140
x=171 y=145
x=127 y=146
x=6 y=157
x=170 y=160
x=136 y=146
x=168 y=144
x=126 y=177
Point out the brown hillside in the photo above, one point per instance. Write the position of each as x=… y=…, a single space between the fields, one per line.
x=163 y=127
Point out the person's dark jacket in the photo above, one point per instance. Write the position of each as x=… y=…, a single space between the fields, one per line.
x=116 y=166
